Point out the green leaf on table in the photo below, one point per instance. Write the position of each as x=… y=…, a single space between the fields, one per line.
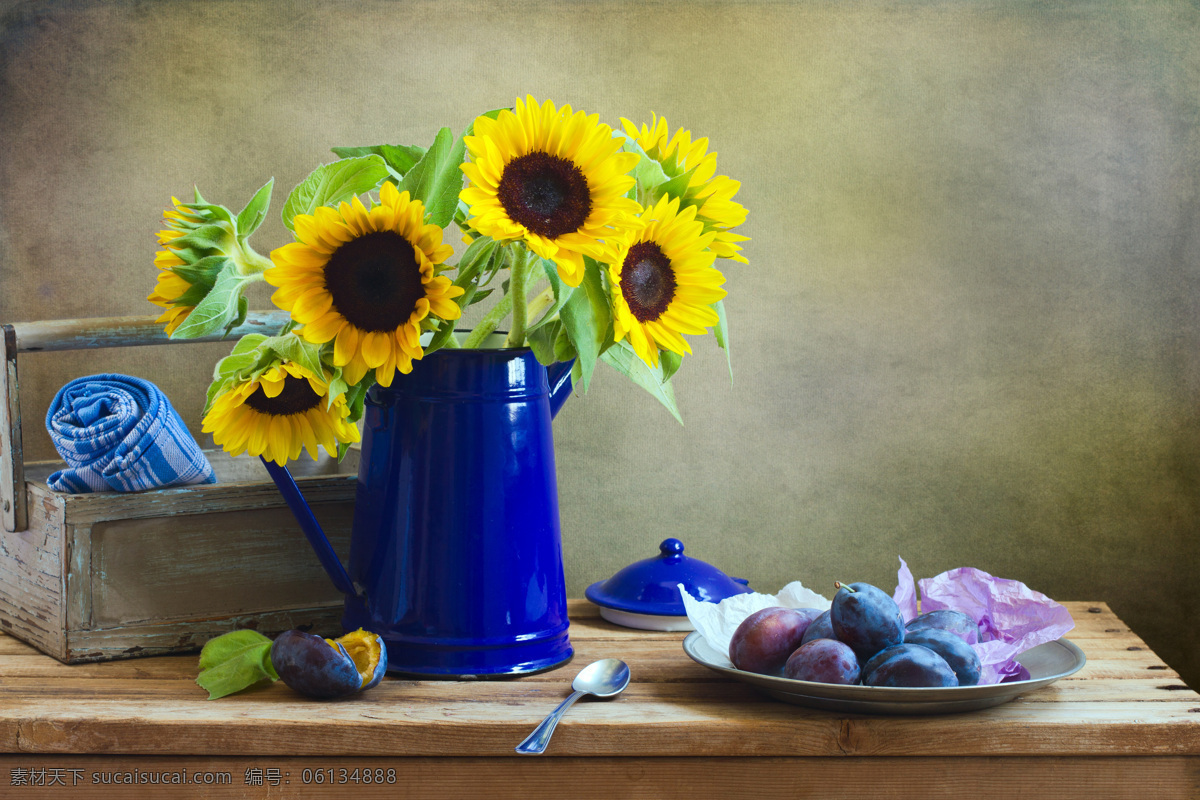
x=330 y=184
x=220 y=307
x=623 y=359
x=250 y=217
x=235 y=661
x=436 y=179
x=587 y=321
x=399 y=158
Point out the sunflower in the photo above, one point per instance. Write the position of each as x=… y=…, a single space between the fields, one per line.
x=553 y=178
x=711 y=194
x=365 y=279
x=173 y=291
x=662 y=281
x=274 y=415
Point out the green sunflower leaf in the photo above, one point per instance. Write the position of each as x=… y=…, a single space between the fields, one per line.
x=436 y=179
x=206 y=237
x=670 y=363
x=541 y=342
x=235 y=661
x=215 y=389
x=221 y=306
x=722 y=333
x=294 y=348
x=400 y=158
x=623 y=359
x=204 y=208
x=243 y=311
x=250 y=217
x=562 y=293
x=648 y=172
x=330 y=184
x=587 y=321
x=202 y=272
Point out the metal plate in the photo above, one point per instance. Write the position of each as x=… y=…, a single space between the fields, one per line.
x=1046 y=664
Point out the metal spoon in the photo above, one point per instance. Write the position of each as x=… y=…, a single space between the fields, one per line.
x=604 y=678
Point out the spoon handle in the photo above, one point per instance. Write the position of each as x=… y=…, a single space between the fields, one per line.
x=536 y=742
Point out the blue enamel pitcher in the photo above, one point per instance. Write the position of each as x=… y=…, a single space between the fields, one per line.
x=455 y=548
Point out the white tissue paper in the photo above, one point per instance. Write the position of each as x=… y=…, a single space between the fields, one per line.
x=717 y=622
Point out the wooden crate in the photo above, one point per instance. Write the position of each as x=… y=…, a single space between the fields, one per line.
x=94 y=577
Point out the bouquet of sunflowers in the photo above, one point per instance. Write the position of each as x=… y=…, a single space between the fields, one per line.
x=588 y=244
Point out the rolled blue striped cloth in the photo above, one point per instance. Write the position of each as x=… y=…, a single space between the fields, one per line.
x=119 y=433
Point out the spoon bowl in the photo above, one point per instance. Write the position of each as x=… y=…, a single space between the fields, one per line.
x=607 y=677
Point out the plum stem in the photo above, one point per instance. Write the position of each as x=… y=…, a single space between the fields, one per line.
x=840 y=585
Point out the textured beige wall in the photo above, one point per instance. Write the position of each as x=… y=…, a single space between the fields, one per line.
x=968 y=334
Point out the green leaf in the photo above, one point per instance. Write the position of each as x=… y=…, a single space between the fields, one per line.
x=400 y=157
x=215 y=389
x=562 y=293
x=203 y=272
x=648 y=172
x=206 y=237
x=670 y=362
x=436 y=179
x=330 y=184
x=294 y=348
x=250 y=217
x=248 y=343
x=623 y=359
x=541 y=342
x=587 y=321
x=235 y=661
x=203 y=208
x=221 y=306
x=722 y=334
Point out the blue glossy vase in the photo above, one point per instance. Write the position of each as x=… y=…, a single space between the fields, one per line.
x=455 y=549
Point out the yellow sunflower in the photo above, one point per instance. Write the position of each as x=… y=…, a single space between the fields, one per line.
x=553 y=178
x=278 y=413
x=662 y=281
x=365 y=279
x=171 y=288
x=711 y=194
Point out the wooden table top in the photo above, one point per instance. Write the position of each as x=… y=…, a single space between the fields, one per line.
x=1124 y=707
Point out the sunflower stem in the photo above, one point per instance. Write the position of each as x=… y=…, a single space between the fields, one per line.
x=540 y=303
x=489 y=322
x=516 y=289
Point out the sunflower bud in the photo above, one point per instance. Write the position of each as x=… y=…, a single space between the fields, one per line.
x=205 y=263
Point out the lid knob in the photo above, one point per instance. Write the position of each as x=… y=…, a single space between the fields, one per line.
x=672 y=549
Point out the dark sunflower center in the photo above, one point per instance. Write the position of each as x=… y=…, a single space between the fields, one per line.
x=647 y=281
x=296 y=398
x=375 y=280
x=547 y=194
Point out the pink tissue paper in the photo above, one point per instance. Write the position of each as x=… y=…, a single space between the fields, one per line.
x=1012 y=618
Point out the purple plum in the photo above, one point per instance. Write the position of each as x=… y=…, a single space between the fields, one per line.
x=329 y=668
x=961 y=657
x=866 y=618
x=908 y=665
x=821 y=628
x=956 y=622
x=823 y=661
x=765 y=639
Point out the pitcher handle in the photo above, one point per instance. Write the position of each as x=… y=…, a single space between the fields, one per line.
x=312 y=530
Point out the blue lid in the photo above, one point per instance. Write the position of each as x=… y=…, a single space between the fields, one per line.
x=651 y=586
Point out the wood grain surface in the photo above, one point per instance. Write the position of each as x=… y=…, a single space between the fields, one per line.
x=1124 y=722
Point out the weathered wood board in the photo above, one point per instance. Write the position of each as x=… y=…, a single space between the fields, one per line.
x=102 y=576
x=1123 y=726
